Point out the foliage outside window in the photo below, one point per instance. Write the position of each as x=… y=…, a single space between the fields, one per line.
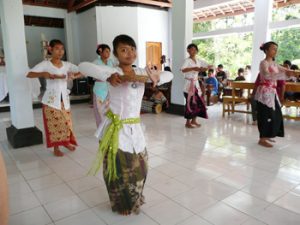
x=286 y=13
x=235 y=50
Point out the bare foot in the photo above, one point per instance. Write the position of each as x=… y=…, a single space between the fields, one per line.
x=125 y=213
x=189 y=125
x=70 y=147
x=264 y=143
x=57 y=152
x=196 y=124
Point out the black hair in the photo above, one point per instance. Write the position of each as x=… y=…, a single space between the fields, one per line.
x=211 y=70
x=241 y=70
x=294 y=67
x=123 y=39
x=192 y=45
x=162 y=59
x=220 y=66
x=102 y=47
x=264 y=47
x=54 y=42
x=248 y=67
x=167 y=68
x=287 y=62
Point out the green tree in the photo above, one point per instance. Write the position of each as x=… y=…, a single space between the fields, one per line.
x=289 y=44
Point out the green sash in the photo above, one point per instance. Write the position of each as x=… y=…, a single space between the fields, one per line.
x=110 y=144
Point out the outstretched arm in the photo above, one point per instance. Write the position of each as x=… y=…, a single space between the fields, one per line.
x=99 y=72
x=45 y=75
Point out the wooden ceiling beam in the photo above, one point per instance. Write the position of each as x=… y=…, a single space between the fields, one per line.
x=287 y=3
x=70 y=4
x=81 y=5
x=44 y=4
x=155 y=3
x=277 y=4
x=208 y=18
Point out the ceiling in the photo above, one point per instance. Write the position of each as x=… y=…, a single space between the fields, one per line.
x=43 y=21
x=79 y=5
x=223 y=9
x=231 y=8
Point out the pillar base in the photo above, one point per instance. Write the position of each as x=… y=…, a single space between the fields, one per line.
x=24 y=137
x=175 y=109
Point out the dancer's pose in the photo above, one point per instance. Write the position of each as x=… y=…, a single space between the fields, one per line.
x=122 y=146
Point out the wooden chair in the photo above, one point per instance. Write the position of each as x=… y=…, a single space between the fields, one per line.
x=292 y=87
x=241 y=93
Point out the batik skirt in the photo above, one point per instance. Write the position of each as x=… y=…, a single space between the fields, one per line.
x=126 y=192
x=269 y=121
x=197 y=109
x=58 y=127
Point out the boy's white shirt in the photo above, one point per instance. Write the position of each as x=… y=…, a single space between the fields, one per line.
x=192 y=75
x=125 y=101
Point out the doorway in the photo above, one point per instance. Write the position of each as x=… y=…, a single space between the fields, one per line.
x=153 y=54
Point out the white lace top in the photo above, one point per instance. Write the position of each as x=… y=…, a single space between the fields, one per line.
x=269 y=73
x=124 y=100
x=56 y=90
x=188 y=63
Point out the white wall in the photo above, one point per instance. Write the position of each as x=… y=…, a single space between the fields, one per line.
x=1 y=39
x=113 y=21
x=87 y=35
x=153 y=26
x=141 y=23
x=33 y=41
x=85 y=30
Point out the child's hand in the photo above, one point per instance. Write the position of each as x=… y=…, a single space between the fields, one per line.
x=197 y=69
x=47 y=75
x=202 y=69
x=54 y=76
x=71 y=76
x=114 y=79
x=153 y=75
x=58 y=76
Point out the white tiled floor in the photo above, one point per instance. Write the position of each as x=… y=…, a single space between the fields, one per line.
x=216 y=174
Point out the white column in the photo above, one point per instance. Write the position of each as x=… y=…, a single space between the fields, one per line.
x=261 y=32
x=12 y=21
x=182 y=34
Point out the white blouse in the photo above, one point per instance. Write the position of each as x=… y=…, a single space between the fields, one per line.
x=189 y=63
x=56 y=89
x=124 y=100
x=269 y=73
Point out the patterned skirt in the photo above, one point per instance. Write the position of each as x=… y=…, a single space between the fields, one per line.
x=58 y=127
x=126 y=192
x=197 y=109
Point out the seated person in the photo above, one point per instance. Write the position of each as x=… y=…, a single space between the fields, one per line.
x=293 y=95
x=213 y=81
x=293 y=79
x=202 y=76
x=280 y=87
x=248 y=73
x=295 y=67
x=221 y=76
x=240 y=75
x=167 y=68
